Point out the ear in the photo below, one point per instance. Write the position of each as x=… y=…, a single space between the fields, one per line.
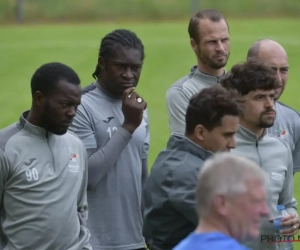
x=200 y=132
x=39 y=99
x=101 y=63
x=220 y=204
x=194 y=45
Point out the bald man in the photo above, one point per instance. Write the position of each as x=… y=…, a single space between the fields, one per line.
x=287 y=123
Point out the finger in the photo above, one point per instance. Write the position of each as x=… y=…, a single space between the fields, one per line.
x=288 y=218
x=290 y=222
x=289 y=231
x=128 y=91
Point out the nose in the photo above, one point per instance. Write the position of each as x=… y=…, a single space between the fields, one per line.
x=265 y=209
x=72 y=111
x=232 y=143
x=278 y=75
x=128 y=74
x=220 y=46
x=269 y=103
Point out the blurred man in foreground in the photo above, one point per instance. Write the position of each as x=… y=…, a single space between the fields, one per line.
x=170 y=211
x=287 y=122
x=231 y=200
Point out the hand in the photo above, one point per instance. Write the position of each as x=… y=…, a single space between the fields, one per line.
x=292 y=222
x=132 y=109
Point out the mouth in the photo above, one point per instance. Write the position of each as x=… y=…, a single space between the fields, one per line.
x=270 y=113
x=66 y=124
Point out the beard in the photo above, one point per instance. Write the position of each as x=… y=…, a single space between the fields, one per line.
x=49 y=122
x=213 y=62
x=266 y=123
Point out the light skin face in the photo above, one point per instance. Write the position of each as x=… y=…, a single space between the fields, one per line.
x=274 y=55
x=258 y=111
x=248 y=209
x=213 y=48
x=220 y=138
x=121 y=71
x=58 y=108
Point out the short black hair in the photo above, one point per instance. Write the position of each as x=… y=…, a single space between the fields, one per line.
x=48 y=75
x=250 y=76
x=119 y=37
x=209 y=106
x=211 y=14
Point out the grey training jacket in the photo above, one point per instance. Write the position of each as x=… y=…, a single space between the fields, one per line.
x=275 y=158
x=42 y=190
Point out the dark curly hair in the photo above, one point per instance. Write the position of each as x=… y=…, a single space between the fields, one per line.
x=209 y=106
x=250 y=76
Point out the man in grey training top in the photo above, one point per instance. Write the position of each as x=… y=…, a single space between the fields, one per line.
x=287 y=122
x=256 y=83
x=113 y=124
x=43 y=201
x=209 y=39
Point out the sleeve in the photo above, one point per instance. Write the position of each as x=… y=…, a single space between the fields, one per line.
x=286 y=197
x=144 y=179
x=100 y=160
x=146 y=145
x=82 y=205
x=182 y=193
x=4 y=172
x=177 y=104
x=296 y=151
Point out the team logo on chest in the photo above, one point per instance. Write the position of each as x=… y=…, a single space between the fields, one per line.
x=73 y=163
x=281 y=133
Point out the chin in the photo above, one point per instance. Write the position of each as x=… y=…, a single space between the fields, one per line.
x=59 y=131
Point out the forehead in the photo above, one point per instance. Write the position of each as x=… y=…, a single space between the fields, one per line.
x=126 y=55
x=258 y=92
x=64 y=89
x=274 y=56
x=229 y=123
x=209 y=29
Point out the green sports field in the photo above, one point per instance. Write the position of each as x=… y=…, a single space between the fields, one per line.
x=168 y=57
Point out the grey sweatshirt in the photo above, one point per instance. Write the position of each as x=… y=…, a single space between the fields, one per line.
x=117 y=170
x=287 y=128
x=180 y=93
x=275 y=158
x=42 y=190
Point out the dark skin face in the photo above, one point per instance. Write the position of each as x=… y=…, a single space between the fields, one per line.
x=57 y=109
x=121 y=71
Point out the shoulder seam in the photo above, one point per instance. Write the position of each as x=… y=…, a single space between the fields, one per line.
x=289 y=108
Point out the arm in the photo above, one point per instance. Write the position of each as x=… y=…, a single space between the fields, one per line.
x=286 y=197
x=106 y=156
x=4 y=171
x=296 y=151
x=145 y=153
x=182 y=192
x=177 y=104
x=82 y=206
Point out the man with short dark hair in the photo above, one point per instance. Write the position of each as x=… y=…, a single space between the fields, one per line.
x=287 y=122
x=170 y=213
x=230 y=201
x=43 y=201
x=256 y=83
x=209 y=39
x=112 y=122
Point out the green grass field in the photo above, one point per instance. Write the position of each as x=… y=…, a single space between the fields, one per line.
x=168 y=57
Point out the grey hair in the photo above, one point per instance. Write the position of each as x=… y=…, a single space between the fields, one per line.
x=225 y=174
